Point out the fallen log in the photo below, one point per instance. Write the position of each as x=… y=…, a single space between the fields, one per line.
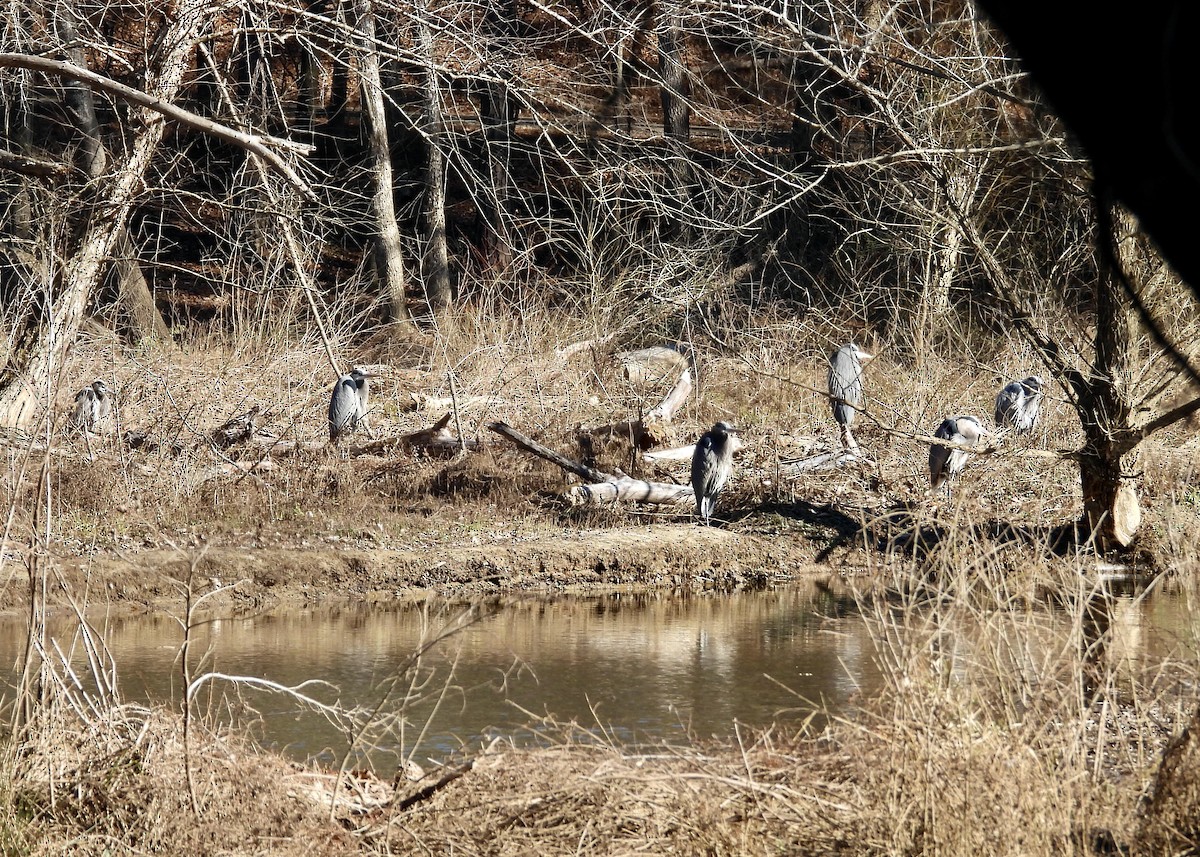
x=436 y=439
x=683 y=453
x=240 y=469
x=823 y=461
x=569 y=351
x=627 y=488
x=650 y=365
x=602 y=487
x=641 y=434
x=676 y=396
x=531 y=446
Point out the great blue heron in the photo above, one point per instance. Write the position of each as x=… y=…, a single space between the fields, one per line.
x=846 y=388
x=348 y=404
x=92 y=404
x=1019 y=404
x=946 y=463
x=712 y=463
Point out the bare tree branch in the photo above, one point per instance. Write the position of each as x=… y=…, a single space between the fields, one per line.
x=255 y=144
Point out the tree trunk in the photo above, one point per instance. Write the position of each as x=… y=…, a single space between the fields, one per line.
x=252 y=64
x=944 y=255
x=438 y=292
x=18 y=220
x=44 y=339
x=389 y=261
x=339 y=78
x=498 y=110
x=310 y=85
x=810 y=231
x=675 y=88
x=675 y=92
x=1110 y=501
x=143 y=319
x=1108 y=460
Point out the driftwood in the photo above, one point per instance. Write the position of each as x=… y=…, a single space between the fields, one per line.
x=438 y=404
x=627 y=488
x=642 y=434
x=683 y=453
x=236 y=429
x=602 y=487
x=437 y=439
x=269 y=444
x=233 y=468
x=569 y=351
x=823 y=461
x=650 y=365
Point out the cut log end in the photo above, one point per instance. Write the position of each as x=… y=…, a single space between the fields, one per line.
x=1126 y=515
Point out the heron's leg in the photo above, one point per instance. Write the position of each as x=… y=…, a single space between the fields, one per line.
x=848 y=442
x=363 y=421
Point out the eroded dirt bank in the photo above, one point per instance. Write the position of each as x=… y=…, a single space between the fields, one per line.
x=654 y=556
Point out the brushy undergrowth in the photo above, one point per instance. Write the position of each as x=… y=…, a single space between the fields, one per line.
x=769 y=381
x=1011 y=721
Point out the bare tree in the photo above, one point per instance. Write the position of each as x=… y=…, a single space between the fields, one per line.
x=675 y=97
x=386 y=245
x=437 y=257
x=498 y=110
x=30 y=371
x=144 y=319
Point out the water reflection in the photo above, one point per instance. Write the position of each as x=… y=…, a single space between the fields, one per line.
x=642 y=668
x=645 y=667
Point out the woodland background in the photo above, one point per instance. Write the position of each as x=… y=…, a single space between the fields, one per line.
x=702 y=172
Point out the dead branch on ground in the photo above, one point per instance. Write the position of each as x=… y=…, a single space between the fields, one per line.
x=602 y=487
x=641 y=434
x=437 y=439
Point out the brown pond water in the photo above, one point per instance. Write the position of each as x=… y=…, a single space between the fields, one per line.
x=638 y=669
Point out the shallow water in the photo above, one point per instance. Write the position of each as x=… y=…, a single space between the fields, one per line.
x=630 y=668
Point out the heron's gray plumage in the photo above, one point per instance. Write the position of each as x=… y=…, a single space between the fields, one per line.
x=92 y=404
x=1019 y=404
x=712 y=464
x=846 y=387
x=348 y=404
x=946 y=463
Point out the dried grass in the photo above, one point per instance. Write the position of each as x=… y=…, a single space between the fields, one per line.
x=1012 y=737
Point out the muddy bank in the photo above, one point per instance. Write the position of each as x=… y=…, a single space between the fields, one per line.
x=656 y=556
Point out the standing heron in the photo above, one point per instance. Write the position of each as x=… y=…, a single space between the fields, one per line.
x=348 y=404
x=846 y=389
x=1019 y=404
x=712 y=463
x=946 y=463
x=92 y=404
